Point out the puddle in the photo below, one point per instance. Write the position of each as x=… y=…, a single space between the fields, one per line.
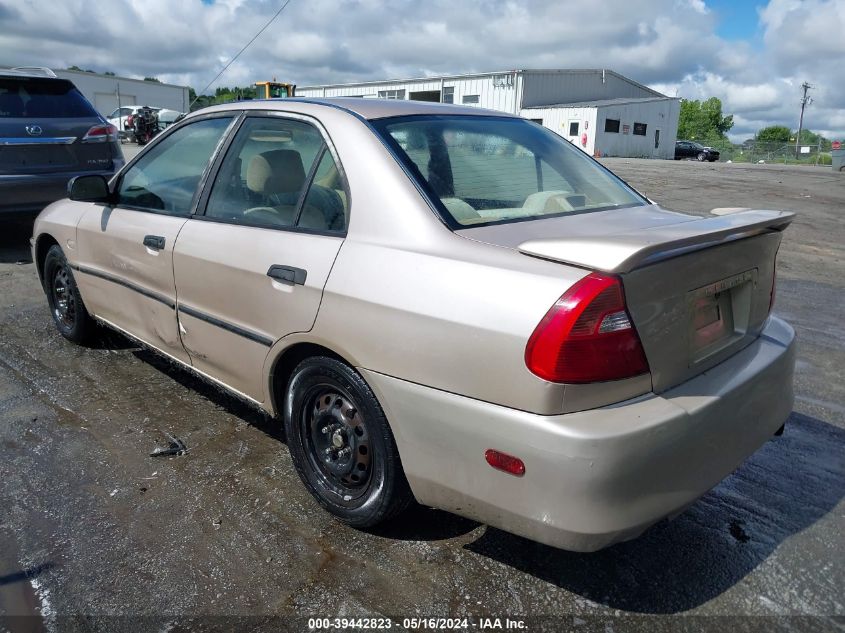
x=20 y=605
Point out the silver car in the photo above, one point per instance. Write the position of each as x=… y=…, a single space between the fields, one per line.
x=439 y=304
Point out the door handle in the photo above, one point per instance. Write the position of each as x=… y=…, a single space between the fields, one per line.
x=154 y=241
x=287 y=274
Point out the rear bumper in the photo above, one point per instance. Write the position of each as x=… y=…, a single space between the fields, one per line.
x=595 y=477
x=28 y=194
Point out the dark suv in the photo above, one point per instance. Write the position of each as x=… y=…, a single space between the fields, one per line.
x=691 y=149
x=49 y=133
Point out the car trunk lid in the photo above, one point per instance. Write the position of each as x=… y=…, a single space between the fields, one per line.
x=43 y=128
x=698 y=289
x=32 y=146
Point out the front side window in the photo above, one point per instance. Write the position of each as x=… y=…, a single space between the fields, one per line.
x=265 y=175
x=166 y=177
x=483 y=170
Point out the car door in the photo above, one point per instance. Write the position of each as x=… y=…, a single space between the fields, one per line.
x=251 y=267
x=125 y=260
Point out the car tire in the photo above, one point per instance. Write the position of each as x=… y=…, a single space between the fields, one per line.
x=701 y=157
x=66 y=307
x=341 y=444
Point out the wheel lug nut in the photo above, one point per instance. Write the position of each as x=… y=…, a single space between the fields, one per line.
x=326 y=429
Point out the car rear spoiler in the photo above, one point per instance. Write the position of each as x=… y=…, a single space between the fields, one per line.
x=624 y=252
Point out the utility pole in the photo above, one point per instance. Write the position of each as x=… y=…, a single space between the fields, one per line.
x=805 y=101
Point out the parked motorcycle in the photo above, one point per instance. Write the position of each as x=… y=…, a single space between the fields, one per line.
x=144 y=124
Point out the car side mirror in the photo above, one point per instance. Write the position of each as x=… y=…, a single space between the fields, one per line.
x=91 y=188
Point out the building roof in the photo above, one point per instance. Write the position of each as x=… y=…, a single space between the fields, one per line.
x=600 y=103
x=85 y=73
x=523 y=71
x=365 y=108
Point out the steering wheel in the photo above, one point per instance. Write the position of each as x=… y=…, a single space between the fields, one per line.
x=263 y=214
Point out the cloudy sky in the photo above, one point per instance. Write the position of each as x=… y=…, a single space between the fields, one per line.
x=752 y=55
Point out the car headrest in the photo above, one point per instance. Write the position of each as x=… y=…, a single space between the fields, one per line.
x=276 y=171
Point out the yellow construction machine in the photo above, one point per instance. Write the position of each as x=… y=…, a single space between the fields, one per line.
x=274 y=90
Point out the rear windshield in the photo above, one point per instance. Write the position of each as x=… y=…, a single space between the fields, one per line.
x=42 y=99
x=490 y=170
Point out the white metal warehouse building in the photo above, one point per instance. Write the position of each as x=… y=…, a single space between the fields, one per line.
x=109 y=92
x=600 y=111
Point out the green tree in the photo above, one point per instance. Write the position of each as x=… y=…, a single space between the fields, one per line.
x=703 y=120
x=153 y=79
x=808 y=137
x=774 y=134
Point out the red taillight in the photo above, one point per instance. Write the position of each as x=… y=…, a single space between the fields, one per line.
x=503 y=461
x=100 y=134
x=587 y=336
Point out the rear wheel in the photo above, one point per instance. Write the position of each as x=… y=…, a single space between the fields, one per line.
x=66 y=307
x=341 y=444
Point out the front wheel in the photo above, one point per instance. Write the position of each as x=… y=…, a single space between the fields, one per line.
x=701 y=157
x=69 y=313
x=341 y=444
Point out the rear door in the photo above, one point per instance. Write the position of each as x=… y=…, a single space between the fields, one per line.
x=252 y=268
x=126 y=250
x=44 y=128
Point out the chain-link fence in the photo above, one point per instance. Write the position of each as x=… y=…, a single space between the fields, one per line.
x=781 y=153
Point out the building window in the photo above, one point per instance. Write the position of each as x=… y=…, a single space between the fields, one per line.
x=611 y=125
x=639 y=129
x=505 y=80
x=573 y=128
x=469 y=99
x=448 y=95
x=391 y=94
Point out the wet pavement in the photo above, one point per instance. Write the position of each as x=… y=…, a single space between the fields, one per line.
x=97 y=535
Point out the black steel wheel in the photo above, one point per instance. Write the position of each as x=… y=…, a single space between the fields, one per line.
x=66 y=306
x=341 y=444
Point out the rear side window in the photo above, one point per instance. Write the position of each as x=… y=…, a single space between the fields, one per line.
x=264 y=176
x=42 y=99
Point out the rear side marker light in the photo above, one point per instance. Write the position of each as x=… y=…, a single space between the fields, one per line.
x=587 y=336
x=773 y=292
x=504 y=462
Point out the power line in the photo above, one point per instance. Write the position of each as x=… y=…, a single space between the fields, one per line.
x=232 y=61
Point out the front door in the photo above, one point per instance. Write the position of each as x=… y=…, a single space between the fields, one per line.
x=252 y=268
x=125 y=265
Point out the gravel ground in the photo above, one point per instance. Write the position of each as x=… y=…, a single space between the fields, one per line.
x=97 y=535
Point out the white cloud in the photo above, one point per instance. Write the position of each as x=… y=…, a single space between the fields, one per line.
x=669 y=44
